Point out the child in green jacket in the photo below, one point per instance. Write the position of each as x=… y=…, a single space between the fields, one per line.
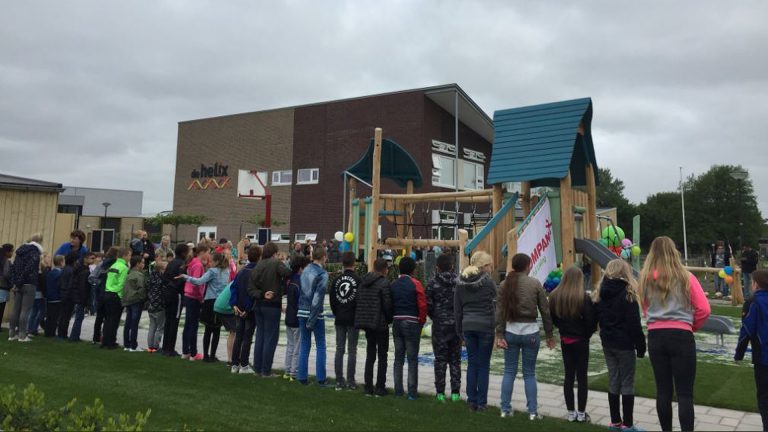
x=134 y=296
x=113 y=293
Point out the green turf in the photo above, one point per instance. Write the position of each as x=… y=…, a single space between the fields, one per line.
x=716 y=385
x=729 y=311
x=207 y=396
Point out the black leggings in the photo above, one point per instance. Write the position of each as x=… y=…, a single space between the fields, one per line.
x=576 y=361
x=211 y=341
x=52 y=314
x=243 y=337
x=673 y=357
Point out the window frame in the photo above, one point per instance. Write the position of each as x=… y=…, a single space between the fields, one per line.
x=436 y=171
x=479 y=175
x=281 y=174
x=314 y=176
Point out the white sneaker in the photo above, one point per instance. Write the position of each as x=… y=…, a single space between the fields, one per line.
x=26 y=339
x=13 y=338
x=505 y=414
x=535 y=416
x=247 y=370
x=571 y=416
x=126 y=349
x=235 y=369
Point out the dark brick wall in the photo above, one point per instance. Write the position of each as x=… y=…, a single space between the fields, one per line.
x=260 y=141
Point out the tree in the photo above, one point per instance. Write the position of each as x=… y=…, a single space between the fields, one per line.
x=660 y=215
x=610 y=193
x=176 y=220
x=259 y=221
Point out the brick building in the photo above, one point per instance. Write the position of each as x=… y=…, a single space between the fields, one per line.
x=302 y=152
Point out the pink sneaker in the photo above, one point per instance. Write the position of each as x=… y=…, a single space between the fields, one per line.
x=197 y=357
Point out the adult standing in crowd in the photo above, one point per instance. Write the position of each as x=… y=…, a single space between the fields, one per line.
x=314 y=282
x=373 y=314
x=173 y=290
x=164 y=249
x=475 y=322
x=6 y=253
x=721 y=257
x=149 y=249
x=749 y=259
x=24 y=275
x=75 y=244
x=676 y=307
x=521 y=301
x=137 y=244
x=266 y=287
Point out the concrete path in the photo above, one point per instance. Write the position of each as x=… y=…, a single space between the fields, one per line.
x=550 y=397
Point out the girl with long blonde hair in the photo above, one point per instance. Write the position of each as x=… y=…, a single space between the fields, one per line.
x=621 y=334
x=675 y=306
x=475 y=319
x=574 y=316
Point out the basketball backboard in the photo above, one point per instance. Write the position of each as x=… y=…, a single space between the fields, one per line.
x=251 y=184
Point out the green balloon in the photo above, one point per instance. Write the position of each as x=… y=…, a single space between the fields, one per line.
x=636 y=251
x=613 y=237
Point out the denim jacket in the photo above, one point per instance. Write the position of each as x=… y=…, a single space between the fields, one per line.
x=215 y=280
x=314 y=282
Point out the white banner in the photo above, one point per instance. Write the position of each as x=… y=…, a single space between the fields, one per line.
x=538 y=241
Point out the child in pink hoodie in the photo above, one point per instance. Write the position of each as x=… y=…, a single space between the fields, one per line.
x=675 y=305
x=193 y=301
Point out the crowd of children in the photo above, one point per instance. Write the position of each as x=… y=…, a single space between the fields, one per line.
x=465 y=309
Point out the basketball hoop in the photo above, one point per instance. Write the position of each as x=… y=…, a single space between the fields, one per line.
x=251 y=185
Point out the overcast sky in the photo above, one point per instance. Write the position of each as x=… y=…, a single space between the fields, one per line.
x=91 y=92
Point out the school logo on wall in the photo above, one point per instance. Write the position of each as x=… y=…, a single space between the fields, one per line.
x=214 y=177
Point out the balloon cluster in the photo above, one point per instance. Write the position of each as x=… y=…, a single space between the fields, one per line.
x=553 y=279
x=726 y=274
x=614 y=240
x=345 y=240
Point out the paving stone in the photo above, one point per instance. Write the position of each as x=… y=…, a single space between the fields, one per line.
x=708 y=418
x=712 y=427
x=725 y=413
x=726 y=421
x=752 y=419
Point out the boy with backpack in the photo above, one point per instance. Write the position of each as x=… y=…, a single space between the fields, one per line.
x=754 y=330
x=343 y=302
x=410 y=313
x=446 y=343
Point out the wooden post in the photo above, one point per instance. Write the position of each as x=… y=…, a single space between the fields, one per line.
x=374 y=208
x=590 y=222
x=498 y=198
x=525 y=195
x=408 y=216
x=566 y=221
x=463 y=258
x=737 y=294
x=511 y=247
x=355 y=229
x=352 y=190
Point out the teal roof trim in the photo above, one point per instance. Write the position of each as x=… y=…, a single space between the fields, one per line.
x=396 y=164
x=540 y=143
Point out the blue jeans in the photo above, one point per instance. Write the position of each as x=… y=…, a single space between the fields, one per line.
x=74 y=334
x=479 y=349
x=721 y=286
x=529 y=345
x=131 y=327
x=38 y=312
x=267 y=334
x=306 y=345
x=746 y=285
x=407 y=335
x=191 y=322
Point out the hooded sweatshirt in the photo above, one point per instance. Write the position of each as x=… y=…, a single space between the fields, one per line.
x=344 y=297
x=374 y=303
x=440 y=292
x=195 y=269
x=675 y=313
x=619 y=318
x=26 y=265
x=475 y=304
x=754 y=329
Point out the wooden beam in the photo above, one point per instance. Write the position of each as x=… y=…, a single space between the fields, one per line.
x=463 y=258
x=511 y=247
x=590 y=220
x=567 y=228
x=352 y=190
x=372 y=235
x=498 y=201
x=400 y=242
x=408 y=213
x=525 y=197
x=439 y=196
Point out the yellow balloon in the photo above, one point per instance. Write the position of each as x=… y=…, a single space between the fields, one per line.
x=349 y=237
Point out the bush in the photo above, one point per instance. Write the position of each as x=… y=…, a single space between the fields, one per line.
x=27 y=411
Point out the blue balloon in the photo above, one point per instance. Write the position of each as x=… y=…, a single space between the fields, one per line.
x=728 y=270
x=556 y=281
x=413 y=255
x=344 y=247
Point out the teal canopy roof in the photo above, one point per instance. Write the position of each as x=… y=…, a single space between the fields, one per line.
x=396 y=164
x=540 y=143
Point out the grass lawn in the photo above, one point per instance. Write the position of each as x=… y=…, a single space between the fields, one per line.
x=716 y=385
x=729 y=311
x=207 y=396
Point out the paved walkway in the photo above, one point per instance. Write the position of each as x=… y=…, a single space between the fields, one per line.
x=550 y=397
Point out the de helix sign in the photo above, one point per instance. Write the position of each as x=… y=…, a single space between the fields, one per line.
x=214 y=176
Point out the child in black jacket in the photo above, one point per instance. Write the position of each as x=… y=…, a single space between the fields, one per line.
x=618 y=314
x=446 y=343
x=574 y=316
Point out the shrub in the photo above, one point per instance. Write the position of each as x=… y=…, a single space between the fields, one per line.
x=27 y=411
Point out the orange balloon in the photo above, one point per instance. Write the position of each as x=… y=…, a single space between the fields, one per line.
x=729 y=279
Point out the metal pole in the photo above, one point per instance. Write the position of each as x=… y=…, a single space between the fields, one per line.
x=741 y=241
x=682 y=199
x=456 y=164
x=344 y=205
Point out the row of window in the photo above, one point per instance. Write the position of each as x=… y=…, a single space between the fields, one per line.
x=304 y=176
x=471 y=175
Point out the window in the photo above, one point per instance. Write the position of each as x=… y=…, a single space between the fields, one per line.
x=304 y=237
x=282 y=178
x=206 y=232
x=308 y=176
x=280 y=238
x=443 y=174
x=472 y=175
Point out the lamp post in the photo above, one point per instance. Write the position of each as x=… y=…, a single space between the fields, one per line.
x=682 y=199
x=740 y=175
x=106 y=205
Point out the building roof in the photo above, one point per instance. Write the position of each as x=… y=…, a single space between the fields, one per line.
x=122 y=203
x=447 y=96
x=540 y=143
x=22 y=183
